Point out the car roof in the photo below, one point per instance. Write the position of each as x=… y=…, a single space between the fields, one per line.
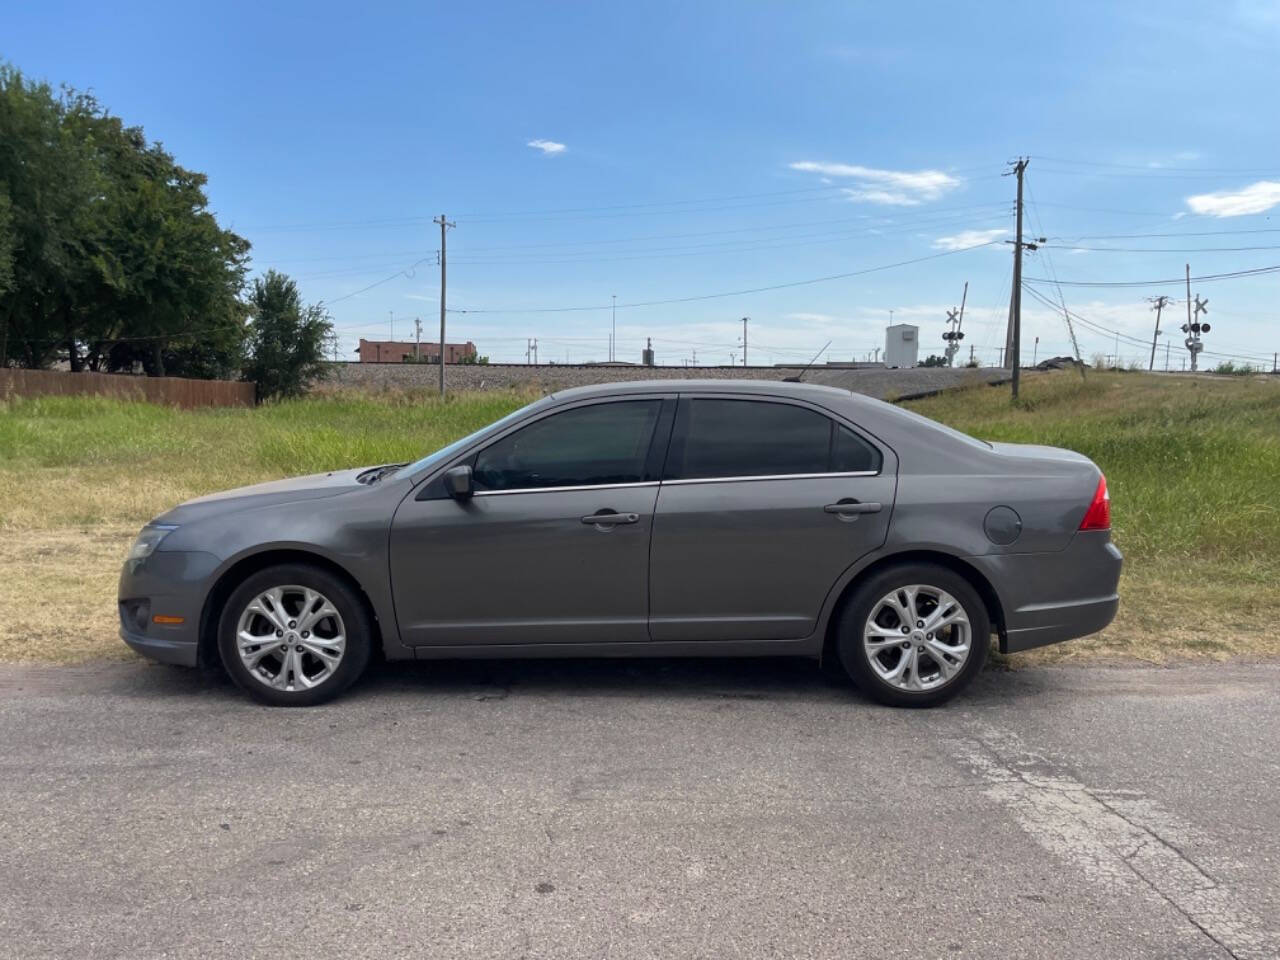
x=777 y=388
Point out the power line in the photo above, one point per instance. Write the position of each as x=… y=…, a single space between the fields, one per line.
x=1062 y=299
x=1159 y=174
x=735 y=293
x=712 y=249
x=404 y=272
x=1071 y=246
x=1146 y=236
x=1130 y=339
x=1207 y=278
x=570 y=213
x=1138 y=166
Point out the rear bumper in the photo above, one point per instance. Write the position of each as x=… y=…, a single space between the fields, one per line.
x=1051 y=597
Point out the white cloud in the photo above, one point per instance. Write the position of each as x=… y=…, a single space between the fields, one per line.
x=899 y=188
x=968 y=238
x=1255 y=198
x=549 y=147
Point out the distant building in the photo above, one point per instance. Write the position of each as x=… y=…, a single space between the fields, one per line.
x=901 y=343
x=404 y=351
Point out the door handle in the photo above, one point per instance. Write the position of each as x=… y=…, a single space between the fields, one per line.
x=611 y=519
x=851 y=508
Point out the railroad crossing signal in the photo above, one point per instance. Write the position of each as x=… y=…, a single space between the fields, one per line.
x=953 y=336
x=1195 y=328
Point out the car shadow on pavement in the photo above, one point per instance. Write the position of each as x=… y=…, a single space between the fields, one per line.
x=710 y=678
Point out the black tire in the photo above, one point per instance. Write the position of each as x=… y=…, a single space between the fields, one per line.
x=356 y=624
x=858 y=610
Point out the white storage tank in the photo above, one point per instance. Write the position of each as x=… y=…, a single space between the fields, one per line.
x=901 y=345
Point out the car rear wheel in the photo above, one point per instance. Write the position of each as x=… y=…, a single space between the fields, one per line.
x=294 y=635
x=914 y=635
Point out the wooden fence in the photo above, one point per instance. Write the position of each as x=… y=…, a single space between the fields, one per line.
x=174 y=390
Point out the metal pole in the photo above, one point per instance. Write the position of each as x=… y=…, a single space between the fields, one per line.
x=744 y=340
x=1016 y=357
x=1193 y=353
x=1160 y=302
x=444 y=225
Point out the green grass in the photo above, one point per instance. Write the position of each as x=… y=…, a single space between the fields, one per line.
x=1193 y=466
x=100 y=460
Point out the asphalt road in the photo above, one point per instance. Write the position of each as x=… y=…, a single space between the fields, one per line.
x=648 y=809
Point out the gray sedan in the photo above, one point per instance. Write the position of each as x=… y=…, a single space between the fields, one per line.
x=688 y=518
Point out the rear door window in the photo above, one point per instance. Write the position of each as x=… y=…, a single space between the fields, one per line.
x=717 y=438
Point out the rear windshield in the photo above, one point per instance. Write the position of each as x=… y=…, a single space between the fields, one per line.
x=950 y=431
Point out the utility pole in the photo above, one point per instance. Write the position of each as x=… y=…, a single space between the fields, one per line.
x=1166 y=356
x=971 y=354
x=1035 y=352
x=613 y=331
x=1015 y=324
x=417 y=339
x=444 y=225
x=744 y=340
x=1160 y=303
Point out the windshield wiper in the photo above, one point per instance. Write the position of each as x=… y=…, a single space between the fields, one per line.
x=375 y=474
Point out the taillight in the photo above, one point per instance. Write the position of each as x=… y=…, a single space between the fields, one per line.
x=1098 y=516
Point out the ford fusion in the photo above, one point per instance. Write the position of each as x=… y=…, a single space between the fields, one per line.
x=689 y=518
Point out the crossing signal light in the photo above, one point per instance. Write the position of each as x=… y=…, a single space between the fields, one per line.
x=1204 y=328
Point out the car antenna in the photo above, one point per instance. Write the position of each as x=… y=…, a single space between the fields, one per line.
x=800 y=376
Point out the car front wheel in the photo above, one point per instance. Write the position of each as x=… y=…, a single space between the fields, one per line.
x=294 y=635
x=914 y=635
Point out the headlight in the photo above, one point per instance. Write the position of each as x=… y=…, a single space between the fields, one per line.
x=149 y=539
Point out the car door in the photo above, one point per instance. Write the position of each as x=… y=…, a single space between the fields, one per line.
x=554 y=545
x=764 y=504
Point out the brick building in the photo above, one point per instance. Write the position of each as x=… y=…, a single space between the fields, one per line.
x=402 y=351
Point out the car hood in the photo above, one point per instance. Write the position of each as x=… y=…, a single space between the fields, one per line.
x=313 y=487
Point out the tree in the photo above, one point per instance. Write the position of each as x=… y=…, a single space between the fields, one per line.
x=114 y=256
x=286 y=339
x=933 y=360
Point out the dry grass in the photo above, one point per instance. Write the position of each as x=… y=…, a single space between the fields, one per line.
x=57 y=601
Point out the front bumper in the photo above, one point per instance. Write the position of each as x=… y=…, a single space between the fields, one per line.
x=1051 y=597
x=171 y=585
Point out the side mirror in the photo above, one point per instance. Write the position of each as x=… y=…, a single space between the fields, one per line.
x=458 y=483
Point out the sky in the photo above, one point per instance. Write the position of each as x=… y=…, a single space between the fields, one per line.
x=823 y=169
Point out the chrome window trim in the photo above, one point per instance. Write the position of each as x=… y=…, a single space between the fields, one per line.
x=675 y=483
x=772 y=476
x=585 y=486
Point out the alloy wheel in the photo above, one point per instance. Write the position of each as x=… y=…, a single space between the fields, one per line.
x=291 y=638
x=917 y=638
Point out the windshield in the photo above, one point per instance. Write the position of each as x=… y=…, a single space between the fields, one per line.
x=444 y=453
